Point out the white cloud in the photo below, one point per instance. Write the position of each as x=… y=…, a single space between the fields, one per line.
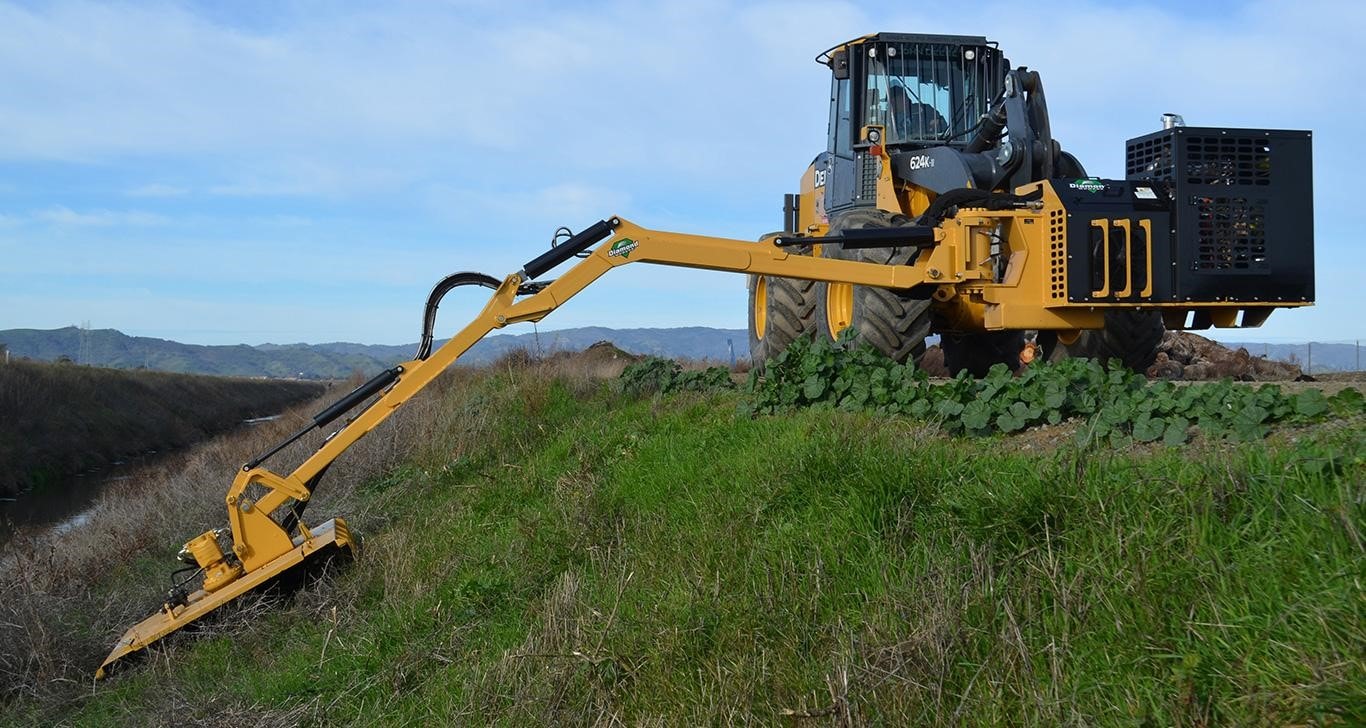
x=517 y=210
x=157 y=189
x=61 y=216
x=486 y=125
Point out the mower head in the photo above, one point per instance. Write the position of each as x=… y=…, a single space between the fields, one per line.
x=224 y=582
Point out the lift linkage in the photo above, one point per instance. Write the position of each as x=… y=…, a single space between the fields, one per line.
x=263 y=548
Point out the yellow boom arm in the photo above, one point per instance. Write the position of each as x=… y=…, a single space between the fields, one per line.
x=953 y=266
x=264 y=549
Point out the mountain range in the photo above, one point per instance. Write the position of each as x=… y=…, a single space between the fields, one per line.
x=112 y=348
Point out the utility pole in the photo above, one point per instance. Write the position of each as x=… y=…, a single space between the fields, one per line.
x=1309 y=363
x=83 y=357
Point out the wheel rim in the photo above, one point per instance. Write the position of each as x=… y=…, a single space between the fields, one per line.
x=839 y=307
x=760 y=307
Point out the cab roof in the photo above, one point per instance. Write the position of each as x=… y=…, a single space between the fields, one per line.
x=973 y=40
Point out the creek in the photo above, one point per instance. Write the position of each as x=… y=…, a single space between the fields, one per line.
x=64 y=505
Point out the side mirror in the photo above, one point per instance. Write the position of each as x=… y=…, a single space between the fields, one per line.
x=839 y=63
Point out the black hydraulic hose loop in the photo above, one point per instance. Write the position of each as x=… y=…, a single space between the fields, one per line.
x=971 y=197
x=175 y=593
x=564 y=233
x=446 y=285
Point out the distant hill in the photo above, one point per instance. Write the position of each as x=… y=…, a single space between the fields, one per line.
x=335 y=360
x=112 y=348
x=1326 y=357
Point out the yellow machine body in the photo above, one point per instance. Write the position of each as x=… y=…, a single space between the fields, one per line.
x=330 y=535
x=1021 y=248
x=956 y=265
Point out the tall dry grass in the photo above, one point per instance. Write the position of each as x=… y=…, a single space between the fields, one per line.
x=67 y=597
x=59 y=419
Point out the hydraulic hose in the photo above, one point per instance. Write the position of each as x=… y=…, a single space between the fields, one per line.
x=446 y=285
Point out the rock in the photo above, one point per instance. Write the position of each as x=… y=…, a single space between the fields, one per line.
x=1165 y=368
x=1206 y=359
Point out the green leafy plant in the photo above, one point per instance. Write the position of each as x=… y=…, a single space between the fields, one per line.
x=1118 y=405
x=665 y=376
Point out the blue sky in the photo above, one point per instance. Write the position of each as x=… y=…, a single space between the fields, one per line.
x=304 y=171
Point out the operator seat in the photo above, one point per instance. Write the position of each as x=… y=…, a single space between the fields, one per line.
x=924 y=122
x=913 y=120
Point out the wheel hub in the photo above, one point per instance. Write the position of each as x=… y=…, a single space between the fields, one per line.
x=839 y=307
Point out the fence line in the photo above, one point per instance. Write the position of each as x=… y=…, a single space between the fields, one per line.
x=1314 y=357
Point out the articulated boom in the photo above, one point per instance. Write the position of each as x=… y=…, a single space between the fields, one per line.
x=1012 y=266
x=264 y=548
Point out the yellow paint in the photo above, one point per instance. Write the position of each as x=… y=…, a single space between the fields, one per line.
x=760 y=306
x=330 y=534
x=957 y=267
x=839 y=308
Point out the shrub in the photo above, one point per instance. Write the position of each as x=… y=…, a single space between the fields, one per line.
x=666 y=376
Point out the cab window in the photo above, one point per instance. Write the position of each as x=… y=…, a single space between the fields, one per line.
x=841 y=138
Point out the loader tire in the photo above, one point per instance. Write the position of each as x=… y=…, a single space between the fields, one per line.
x=889 y=321
x=780 y=311
x=977 y=353
x=1131 y=337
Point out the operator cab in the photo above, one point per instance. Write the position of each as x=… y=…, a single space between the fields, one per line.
x=923 y=90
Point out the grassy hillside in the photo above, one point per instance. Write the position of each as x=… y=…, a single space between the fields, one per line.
x=58 y=419
x=551 y=551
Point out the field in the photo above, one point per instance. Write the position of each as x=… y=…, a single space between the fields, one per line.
x=60 y=419
x=546 y=547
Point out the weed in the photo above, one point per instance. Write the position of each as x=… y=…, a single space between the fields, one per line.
x=1120 y=406
x=665 y=376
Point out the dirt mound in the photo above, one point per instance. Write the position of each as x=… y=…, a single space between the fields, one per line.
x=602 y=360
x=606 y=351
x=1183 y=355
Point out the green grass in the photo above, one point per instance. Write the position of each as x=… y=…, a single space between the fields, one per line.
x=668 y=560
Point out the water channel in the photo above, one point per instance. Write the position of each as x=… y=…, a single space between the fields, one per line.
x=66 y=504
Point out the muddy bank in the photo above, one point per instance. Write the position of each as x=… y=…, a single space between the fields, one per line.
x=58 y=420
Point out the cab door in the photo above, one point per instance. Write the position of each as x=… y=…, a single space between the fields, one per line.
x=837 y=175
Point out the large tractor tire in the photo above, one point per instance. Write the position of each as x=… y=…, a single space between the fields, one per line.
x=977 y=353
x=1131 y=337
x=780 y=311
x=892 y=323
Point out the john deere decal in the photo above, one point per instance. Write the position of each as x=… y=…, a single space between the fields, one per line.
x=622 y=247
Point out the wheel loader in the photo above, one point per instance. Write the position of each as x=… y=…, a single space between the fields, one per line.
x=941 y=204
x=923 y=124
